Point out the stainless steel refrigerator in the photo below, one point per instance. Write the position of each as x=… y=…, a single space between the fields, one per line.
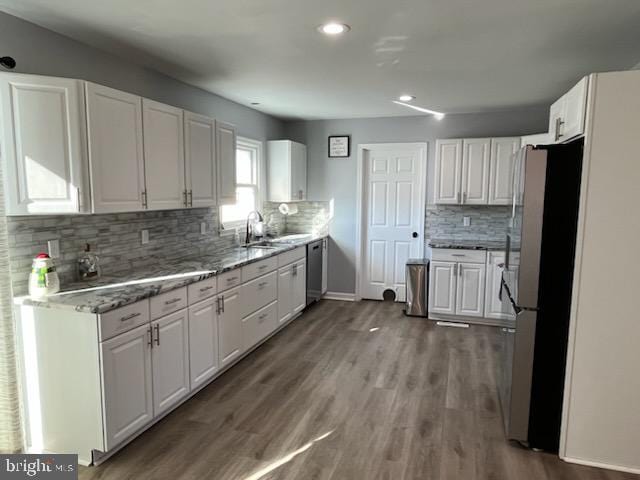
x=536 y=286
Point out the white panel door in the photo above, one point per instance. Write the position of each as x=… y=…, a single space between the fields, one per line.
x=475 y=171
x=203 y=341
x=200 y=160
x=493 y=306
x=299 y=282
x=127 y=384
x=285 y=293
x=163 y=155
x=470 y=289
x=226 y=160
x=501 y=171
x=230 y=326
x=448 y=171
x=114 y=123
x=43 y=144
x=442 y=287
x=170 y=357
x=298 y=171
x=393 y=212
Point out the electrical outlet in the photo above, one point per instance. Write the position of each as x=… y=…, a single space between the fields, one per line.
x=203 y=228
x=54 y=248
x=145 y=237
x=466 y=221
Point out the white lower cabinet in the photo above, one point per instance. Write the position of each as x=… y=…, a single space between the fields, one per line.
x=292 y=290
x=170 y=358
x=230 y=326
x=299 y=286
x=203 y=342
x=494 y=307
x=470 y=289
x=442 y=287
x=126 y=384
x=259 y=325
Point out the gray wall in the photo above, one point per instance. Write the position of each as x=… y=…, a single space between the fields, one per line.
x=335 y=179
x=41 y=51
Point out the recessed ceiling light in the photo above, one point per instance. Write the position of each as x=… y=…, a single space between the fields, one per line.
x=437 y=115
x=406 y=98
x=333 y=28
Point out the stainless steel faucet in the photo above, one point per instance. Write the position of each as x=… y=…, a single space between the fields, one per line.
x=260 y=219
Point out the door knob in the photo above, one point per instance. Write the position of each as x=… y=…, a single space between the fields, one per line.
x=414 y=234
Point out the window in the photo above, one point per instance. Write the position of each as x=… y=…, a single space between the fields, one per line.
x=248 y=158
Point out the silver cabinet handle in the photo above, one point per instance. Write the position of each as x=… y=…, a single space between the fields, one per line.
x=262 y=284
x=458 y=255
x=262 y=267
x=79 y=200
x=218 y=305
x=559 y=123
x=144 y=199
x=222 y=304
x=455 y=269
x=464 y=197
x=157 y=327
x=184 y=198
x=129 y=317
x=150 y=333
x=294 y=271
x=172 y=301
x=262 y=317
x=231 y=279
x=190 y=198
x=205 y=289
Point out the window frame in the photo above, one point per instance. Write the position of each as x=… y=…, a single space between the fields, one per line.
x=256 y=146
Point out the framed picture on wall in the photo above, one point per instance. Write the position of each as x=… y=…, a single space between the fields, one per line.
x=339 y=146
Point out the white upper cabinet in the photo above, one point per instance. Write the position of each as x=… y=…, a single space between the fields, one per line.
x=502 y=169
x=226 y=159
x=448 y=171
x=43 y=144
x=114 y=125
x=200 y=160
x=163 y=155
x=567 y=114
x=287 y=175
x=537 y=139
x=475 y=171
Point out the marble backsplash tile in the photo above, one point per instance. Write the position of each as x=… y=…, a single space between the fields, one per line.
x=312 y=217
x=115 y=238
x=486 y=222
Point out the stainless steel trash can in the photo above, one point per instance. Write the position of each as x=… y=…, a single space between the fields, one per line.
x=417 y=278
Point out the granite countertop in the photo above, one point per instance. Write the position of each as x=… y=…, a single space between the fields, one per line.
x=467 y=244
x=111 y=292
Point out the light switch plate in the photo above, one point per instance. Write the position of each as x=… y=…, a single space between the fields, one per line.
x=203 y=228
x=466 y=221
x=54 y=248
x=145 y=237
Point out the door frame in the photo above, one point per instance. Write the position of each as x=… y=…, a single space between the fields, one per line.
x=363 y=148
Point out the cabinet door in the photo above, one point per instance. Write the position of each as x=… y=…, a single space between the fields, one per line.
x=285 y=293
x=299 y=281
x=493 y=306
x=203 y=341
x=575 y=111
x=114 y=123
x=501 y=170
x=442 y=287
x=170 y=357
x=226 y=158
x=298 y=171
x=200 y=160
x=127 y=384
x=475 y=171
x=43 y=144
x=556 y=115
x=470 y=289
x=448 y=171
x=163 y=155
x=230 y=326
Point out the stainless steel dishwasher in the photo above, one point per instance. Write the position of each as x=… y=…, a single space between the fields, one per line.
x=314 y=271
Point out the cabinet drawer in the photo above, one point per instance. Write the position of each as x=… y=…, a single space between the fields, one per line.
x=291 y=256
x=123 y=319
x=259 y=292
x=201 y=290
x=168 y=303
x=458 y=255
x=256 y=269
x=257 y=326
x=229 y=279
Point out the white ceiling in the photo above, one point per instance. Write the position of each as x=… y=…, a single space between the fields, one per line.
x=453 y=55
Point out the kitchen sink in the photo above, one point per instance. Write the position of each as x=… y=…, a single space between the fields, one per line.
x=265 y=244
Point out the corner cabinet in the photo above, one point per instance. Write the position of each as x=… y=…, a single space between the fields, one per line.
x=567 y=116
x=226 y=158
x=43 y=144
x=287 y=171
x=116 y=156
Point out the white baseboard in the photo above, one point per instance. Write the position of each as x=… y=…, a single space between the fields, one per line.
x=343 y=297
x=607 y=466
